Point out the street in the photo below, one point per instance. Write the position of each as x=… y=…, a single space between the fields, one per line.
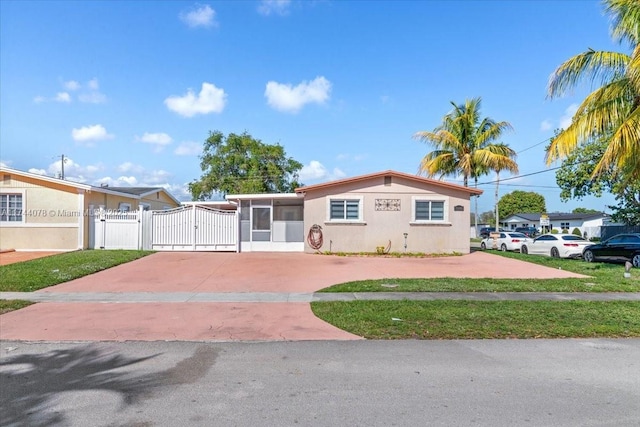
x=575 y=382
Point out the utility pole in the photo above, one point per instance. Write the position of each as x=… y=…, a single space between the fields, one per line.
x=62 y=166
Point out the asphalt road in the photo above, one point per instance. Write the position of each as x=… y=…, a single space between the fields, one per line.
x=584 y=382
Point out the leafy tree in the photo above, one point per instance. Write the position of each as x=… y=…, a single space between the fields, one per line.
x=241 y=164
x=612 y=111
x=464 y=145
x=488 y=217
x=521 y=202
x=584 y=211
x=576 y=181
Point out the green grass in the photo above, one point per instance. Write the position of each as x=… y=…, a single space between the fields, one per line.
x=602 y=278
x=11 y=305
x=482 y=319
x=40 y=273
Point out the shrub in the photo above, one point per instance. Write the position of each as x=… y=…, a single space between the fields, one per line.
x=554 y=231
x=577 y=232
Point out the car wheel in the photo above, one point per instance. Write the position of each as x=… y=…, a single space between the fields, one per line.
x=483 y=246
x=503 y=248
x=524 y=249
x=588 y=256
x=636 y=260
x=555 y=253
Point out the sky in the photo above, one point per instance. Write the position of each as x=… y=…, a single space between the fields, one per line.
x=129 y=91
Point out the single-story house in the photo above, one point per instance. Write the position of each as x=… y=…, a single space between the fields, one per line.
x=588 y=223
x=43 y=213
x=390 y=210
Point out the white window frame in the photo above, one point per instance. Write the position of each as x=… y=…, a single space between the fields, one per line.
x=344 y=198
x=433 y=198
x=20 y=193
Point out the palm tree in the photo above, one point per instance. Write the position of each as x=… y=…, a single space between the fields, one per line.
x=612 y=110
x=464 y=145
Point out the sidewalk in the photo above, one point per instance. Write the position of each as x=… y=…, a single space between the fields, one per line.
x=280 y=297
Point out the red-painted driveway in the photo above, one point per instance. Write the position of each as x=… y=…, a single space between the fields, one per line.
x=173 y=272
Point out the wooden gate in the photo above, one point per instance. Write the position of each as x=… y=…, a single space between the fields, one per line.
x=194 y=228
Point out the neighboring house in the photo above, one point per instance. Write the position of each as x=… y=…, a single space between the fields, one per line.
x=392 y=210
x=44 y=213
x=588 y=223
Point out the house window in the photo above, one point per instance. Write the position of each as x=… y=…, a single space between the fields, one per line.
x=346 y=210
x=564 y=225
x=124 y=207
x=11 y=207
x=429 y=210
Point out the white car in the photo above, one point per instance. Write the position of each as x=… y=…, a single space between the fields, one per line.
x=557 y=246
x=508 y=241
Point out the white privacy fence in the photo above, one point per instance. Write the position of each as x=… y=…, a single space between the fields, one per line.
x=186 y=228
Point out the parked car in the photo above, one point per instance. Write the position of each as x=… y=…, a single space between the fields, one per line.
x=619 y=248
x=527 y=231
x=486 y=231
x=508 y=241
x=556 y=245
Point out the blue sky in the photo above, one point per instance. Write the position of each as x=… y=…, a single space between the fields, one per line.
x=128 y=91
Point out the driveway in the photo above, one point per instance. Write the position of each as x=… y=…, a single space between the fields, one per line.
x=203 y=273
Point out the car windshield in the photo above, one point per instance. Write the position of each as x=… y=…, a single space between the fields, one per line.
x=573 y=237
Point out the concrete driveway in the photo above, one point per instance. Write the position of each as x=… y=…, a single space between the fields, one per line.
x=188 y=272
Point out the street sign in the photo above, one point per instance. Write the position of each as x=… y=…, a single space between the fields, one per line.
x=544 y=220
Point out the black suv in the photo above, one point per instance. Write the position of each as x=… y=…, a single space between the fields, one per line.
x=527 y=231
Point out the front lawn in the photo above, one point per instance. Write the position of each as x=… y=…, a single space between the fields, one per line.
x=482 y=319
x=40 y=273
x=602 y=278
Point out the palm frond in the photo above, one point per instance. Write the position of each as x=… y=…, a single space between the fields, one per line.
x=625 y=21
x=600 y=67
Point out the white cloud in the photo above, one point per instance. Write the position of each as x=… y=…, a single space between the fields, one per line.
x=349 y=157
x=210 y=100
x=279 y=7
x=5 y=163
x=127 y=167
x=188 y=148
x=39 y=99
x=285 y=97
x=90 y=133
x=63 y=97
x=158 y=140
x=546 y=125
x=315 y=171
x=38 y=171
x=72 y=170
x=71 y=85
x=202 y=16
x=565 y=120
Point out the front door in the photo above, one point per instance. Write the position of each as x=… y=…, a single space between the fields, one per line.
x=261 y=224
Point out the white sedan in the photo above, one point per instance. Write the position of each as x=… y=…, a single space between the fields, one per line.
x=557 y=246
x=508 y=241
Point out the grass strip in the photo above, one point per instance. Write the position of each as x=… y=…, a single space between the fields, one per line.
x=40 y=273
x=13 y=304
x=602 y=278
x=482 y=319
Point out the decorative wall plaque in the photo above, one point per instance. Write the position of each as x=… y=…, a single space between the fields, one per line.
x=387 y=204
x=458 y=208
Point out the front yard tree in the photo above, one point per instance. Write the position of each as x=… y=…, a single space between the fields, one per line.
x=521 y=202
x=465 y=144
x=241 y=164
x=612 y=110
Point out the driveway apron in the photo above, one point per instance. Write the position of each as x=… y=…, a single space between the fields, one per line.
x=204 y=272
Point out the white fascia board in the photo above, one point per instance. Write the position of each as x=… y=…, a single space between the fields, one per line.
x=264 y=196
